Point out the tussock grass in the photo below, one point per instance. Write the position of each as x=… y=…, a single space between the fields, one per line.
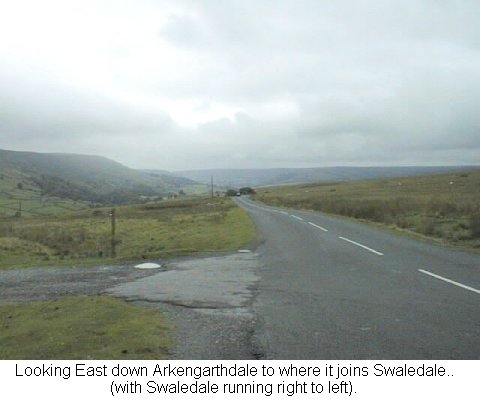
x=445 y=207
x=150 y=231
x=82 y=328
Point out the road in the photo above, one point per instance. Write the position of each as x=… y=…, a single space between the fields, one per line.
x=331 y=288
x=316 y=287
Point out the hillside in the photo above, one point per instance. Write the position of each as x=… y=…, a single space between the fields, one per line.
x=34 y=177
x=288 y=176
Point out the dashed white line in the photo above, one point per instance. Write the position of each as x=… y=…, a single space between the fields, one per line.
x=284 y=212
x=318 y=226
x=450 y=281
x=294 y=216
x=361 y=245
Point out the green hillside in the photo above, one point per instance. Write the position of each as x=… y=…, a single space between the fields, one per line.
x=45 y=183
x=19 y=195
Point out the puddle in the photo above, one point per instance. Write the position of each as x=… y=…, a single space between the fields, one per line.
x=147 y=266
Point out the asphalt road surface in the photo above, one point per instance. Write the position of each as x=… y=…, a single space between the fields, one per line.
x=316 y=287
x=330 y=288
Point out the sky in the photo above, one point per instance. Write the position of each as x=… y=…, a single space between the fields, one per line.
x=185 y=84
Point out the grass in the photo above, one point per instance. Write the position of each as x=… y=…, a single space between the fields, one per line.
x=160 y=230
x=102 y=327
x=442 y=207
x=82 y=328
x=17 y=192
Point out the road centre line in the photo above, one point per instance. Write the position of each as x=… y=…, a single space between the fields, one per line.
x=450 y=281
x=361 y=245
x=318 y=226
x=294 y=216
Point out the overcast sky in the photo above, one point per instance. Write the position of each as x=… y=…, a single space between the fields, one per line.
x=243 y=84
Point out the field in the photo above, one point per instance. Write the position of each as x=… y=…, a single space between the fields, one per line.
x=82 y=328
x=18 y=196
x=443 y=207
x=151 y=231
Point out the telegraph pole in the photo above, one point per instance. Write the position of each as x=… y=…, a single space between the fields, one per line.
x=113 y=243
x=19 y=208
x=211 y=186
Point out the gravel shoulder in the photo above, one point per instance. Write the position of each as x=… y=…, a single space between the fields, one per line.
x=39 y=284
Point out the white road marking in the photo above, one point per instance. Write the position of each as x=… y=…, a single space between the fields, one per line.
x=294 y=216
x=284 y=212
x=318 y=226
x=450 y=281
x=361 y=245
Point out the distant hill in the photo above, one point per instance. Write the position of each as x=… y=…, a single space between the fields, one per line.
x=84 y=178
x=169 y=178
x=287 y=176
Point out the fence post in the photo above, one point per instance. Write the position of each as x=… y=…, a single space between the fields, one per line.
x=113 y=242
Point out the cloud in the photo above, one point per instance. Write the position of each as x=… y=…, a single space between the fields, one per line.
x=187 y=84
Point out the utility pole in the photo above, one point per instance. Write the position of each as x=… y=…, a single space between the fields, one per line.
x=113 y=242
x=19 y=208
x=211 y=186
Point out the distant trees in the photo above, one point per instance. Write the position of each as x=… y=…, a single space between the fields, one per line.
x=246 y=190
x=242 y=191
x=231 y=192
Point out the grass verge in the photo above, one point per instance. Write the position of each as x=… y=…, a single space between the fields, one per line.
x=82 y=328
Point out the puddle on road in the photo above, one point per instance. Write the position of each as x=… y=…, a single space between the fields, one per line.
x=148 y=266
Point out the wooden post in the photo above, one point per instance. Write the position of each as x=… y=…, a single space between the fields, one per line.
x=113 y=242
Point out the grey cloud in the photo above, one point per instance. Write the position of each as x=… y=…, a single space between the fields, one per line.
x=48 y=110
x=316 y=83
